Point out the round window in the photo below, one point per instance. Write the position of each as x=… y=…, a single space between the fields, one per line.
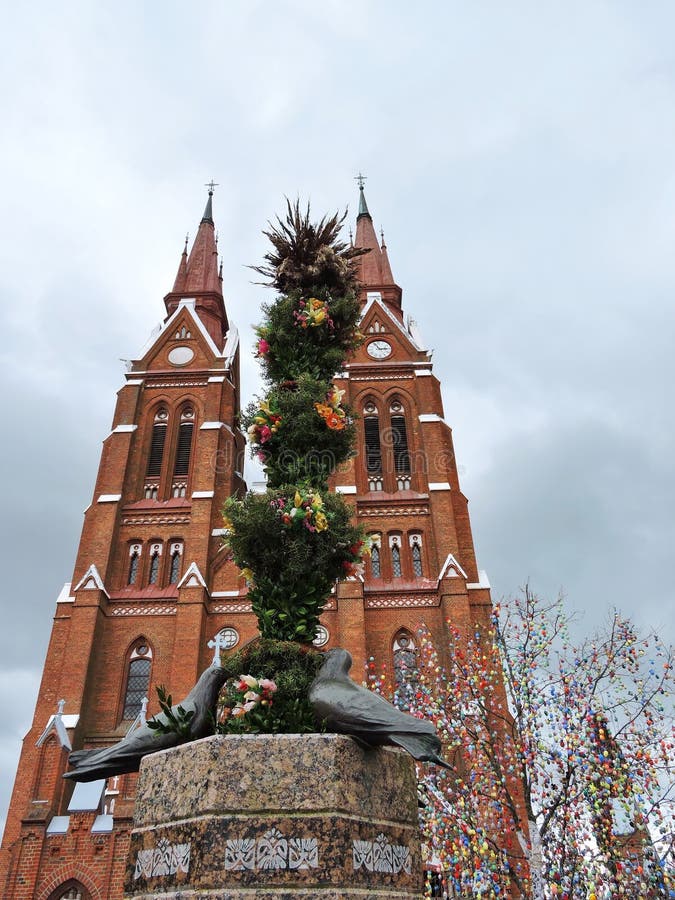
x=322 y=636
x=229 y=637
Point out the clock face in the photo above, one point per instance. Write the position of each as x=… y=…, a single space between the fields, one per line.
x=379 y=349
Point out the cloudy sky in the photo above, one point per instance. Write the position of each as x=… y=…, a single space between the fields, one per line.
x=521 y=160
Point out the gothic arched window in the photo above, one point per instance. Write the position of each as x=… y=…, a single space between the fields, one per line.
x=138 y=679
x=71 y=890
x=371 y=428
x=375 y=558
x=395 y=546
x=184 y=444
x=155 y=559
x=405 y=668
x=157 y=444
x=134 y=560
x=175 y=553
x=399 y=443
x=416 y=554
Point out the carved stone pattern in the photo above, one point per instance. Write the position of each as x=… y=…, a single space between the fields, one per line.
x=154 y=610
x=231 y=608
x=164 y=859
x=393 y=510
x=381 y=377
x=401 y=602
x=381 y=856
x=271 y=851
x=170 y=384
x=151 y=519
x=240 y=854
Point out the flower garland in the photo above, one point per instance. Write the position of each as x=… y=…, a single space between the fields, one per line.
x=331 y=411
x=265 y=424
x=311 y=313
x=305 y=509
x=359 y=551
x=245 y=703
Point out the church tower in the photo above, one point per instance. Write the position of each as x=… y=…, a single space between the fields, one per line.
x=153 y=585
x=145 y=596
x=403 y=483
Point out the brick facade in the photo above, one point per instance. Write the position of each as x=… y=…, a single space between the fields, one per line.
x=131 y=600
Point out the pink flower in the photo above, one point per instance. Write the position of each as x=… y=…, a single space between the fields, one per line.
x=264 y=433
x=249 y=706
x=266 y=684
x=263 y=347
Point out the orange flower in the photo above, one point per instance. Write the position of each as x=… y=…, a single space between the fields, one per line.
x=335 y=422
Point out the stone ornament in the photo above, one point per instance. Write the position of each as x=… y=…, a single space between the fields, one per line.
x=271 y=851
x=381 y=856
x=164 y=859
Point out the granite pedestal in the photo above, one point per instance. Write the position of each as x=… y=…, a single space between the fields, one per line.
x=273 y=817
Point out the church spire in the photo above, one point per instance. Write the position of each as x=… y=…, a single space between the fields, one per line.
x=198 y=277
x=374 y=271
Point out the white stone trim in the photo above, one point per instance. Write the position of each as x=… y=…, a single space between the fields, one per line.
x=430 y=417
x=58 y=825
x=219 y=532
x=202 y=495
x=439 y=486
x=346 y=489
x=91 y=575
x=134 y=381
x=215 y=426
x=187 y=303
x=124 y=429
x=192 y=578
x=231 y=344
x=482 y=583
x=399 y=325
x=420 y=372
x=65 y=595
x=103 y=824
x=216 y=379
x=451 y=564
x=109 y=498
x=87 y=796
x=217 y=594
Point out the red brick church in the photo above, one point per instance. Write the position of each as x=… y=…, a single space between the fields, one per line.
x=153 y=585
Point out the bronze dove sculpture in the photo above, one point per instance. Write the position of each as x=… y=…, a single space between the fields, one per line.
x=348 y=708
x=126 y=755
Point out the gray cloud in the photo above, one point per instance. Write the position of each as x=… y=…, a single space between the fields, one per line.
x=521 y=161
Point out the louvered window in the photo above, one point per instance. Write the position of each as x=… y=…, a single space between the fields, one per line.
x=156 y=450
x=399 y=436
x=373 y=450
x=183 y=447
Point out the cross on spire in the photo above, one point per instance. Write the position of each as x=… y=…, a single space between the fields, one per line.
x=211 y=185
x=361 y=179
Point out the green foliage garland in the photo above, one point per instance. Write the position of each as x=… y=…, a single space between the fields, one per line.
x=295 y=540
